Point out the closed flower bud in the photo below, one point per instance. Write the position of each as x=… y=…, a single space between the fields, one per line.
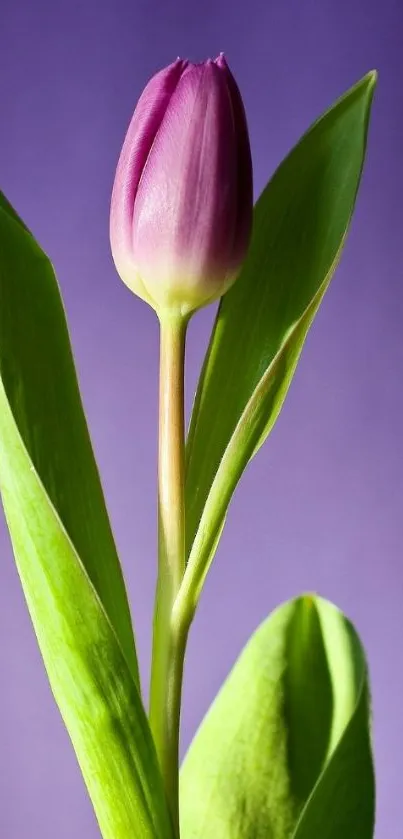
x=181 y=207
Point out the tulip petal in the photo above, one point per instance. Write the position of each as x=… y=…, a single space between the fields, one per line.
x=140 y=136
x=244 y=204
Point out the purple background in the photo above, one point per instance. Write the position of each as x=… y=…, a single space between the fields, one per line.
x=321 y=506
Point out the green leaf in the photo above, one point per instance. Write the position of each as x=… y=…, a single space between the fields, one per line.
x=284 y=751
x=64 y=548
x=300 y=224
x=37 y=371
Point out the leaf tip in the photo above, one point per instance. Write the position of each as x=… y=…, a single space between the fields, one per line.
x=372 y=76
x=371 y=80
x=309 y=599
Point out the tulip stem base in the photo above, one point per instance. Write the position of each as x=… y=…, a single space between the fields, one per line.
x=169 y=639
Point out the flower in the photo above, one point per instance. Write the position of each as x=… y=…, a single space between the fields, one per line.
x=181 y=209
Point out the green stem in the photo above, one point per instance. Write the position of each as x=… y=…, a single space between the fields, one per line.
x=169 y=638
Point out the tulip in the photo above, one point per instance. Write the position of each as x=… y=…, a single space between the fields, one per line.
x=181 y=207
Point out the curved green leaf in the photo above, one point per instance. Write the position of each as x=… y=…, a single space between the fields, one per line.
x=37 y=371
x=300 y=224
x=284 y=751
x=64 y=548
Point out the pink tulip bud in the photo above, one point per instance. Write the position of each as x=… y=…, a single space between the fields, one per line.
x=181 y=209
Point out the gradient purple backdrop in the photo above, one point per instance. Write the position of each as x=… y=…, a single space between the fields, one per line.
x=321 y=506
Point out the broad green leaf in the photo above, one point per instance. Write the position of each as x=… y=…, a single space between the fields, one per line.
x=37 y=371
x=64 y=549
x=284 y=751
x=300 y=224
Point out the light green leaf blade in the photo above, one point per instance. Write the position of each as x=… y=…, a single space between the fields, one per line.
x=65 y=565
x=284 y=751
x=300 y=224
x=37 y=371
